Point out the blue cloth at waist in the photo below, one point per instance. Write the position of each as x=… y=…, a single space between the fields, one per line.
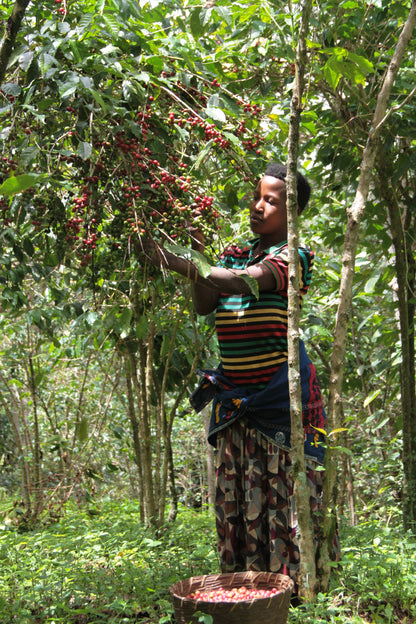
x=268 y=409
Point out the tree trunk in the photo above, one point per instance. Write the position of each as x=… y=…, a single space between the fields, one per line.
x=145 y=435
x=402 y=224
x=10 y=33
x=307 y=571
x=166 y=465
x=129 y=371
x=20 y=444
x=37 y=455
x=210 y=462
x=142 y=368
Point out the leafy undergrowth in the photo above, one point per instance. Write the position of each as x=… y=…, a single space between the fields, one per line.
x=376 y=582
x=108 y=568
x=105 y=568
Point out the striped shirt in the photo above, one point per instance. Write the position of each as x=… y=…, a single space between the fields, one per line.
x=252 y=333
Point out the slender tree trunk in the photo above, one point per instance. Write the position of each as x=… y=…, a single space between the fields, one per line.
x=10 y=33
x=402 y=224
x=129 y=371
x=37 y=455
x=20 y=446
x=350 y=491
x=69 y=457
x=173 y=511
x=354 y=213
x=145 y=435
x=152 y=445
x=142 y=382
x=210 y=462
x=167 y=467
x=307 y=572
x=168 y=472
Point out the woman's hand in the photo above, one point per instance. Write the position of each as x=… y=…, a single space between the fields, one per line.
x=151 y=249
x=161 y=258
x=195 y=232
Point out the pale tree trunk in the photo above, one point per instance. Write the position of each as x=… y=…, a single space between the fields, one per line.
x=167 y=433
x=140 y=355
x=307 y=573
x=37 y=456
x=11 y=408
x=166 y=464
x=27 y=439
x=142 y=391
x=402 y=224
x=10 y=33
x=350 y=490
x=210 y=462
x=140 y=421
x=150 y=422
x=69 y=457
x=130 y=370
x=354 y=217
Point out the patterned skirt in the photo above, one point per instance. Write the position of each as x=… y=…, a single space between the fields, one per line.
x=255 y=507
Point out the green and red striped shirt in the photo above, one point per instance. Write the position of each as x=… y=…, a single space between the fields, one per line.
x=252 y=333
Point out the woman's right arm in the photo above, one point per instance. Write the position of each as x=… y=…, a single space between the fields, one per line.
x=206 y=290
x=204 y=297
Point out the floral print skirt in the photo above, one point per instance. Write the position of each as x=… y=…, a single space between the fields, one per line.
x=255 y=507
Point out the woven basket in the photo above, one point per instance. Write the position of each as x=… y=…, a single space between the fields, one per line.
x=273 y=610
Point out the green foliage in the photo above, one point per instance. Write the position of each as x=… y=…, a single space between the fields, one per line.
x=103 y=568
x=120 y=126
x=381 y=562
x=110 y=568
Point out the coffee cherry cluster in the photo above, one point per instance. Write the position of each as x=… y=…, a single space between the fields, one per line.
x=7 y=96
x=254 y=109
x=236 y=594
x=126 y=189
x=4 y=208
x=62 y=9
x=251 y=141
x=210 y=130
x=7 y=166
x=136 y=180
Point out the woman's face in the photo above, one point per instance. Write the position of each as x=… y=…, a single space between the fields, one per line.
x=268 y=216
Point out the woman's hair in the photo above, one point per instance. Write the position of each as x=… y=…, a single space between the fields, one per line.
x=276 y=170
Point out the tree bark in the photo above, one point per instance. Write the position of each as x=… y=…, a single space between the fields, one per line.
x=402 y=224
x=166 y=466
x=129 y=371
x=142 y=382
x=37 y=455
x=307 y=571
x=145 y=433
x=19 y=441
x=10 y=33
x=210 y=462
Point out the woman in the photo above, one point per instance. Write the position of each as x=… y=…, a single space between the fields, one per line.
x=250 y=423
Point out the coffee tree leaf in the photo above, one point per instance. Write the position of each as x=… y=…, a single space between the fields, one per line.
x=19 y=183
x=252 y=284
x=84 y=150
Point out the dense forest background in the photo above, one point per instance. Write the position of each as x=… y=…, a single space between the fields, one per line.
x=117 y=119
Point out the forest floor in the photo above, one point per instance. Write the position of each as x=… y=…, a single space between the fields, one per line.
x=101 y=565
